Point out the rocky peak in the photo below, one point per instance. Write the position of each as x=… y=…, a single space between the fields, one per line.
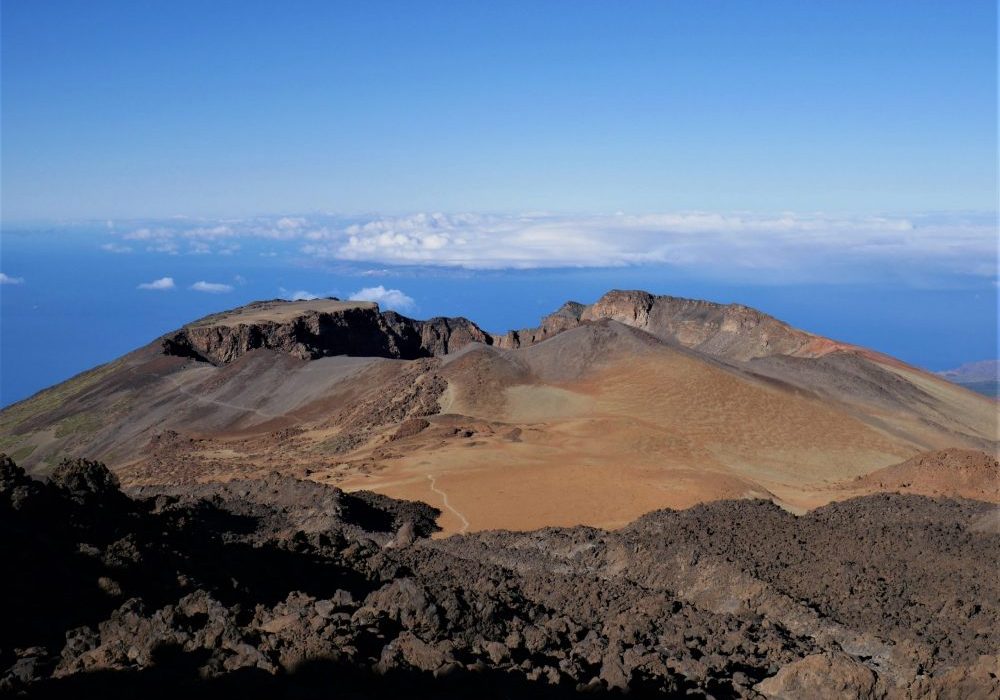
x=730 y=331
x=629 y=307
x=571 y=309
x=441 y=335
x=565 y=317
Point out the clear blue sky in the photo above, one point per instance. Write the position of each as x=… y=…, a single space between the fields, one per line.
x=141 y=109
x=831 y=162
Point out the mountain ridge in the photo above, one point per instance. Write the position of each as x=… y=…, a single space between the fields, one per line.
x=601 y=413
x=317 y=328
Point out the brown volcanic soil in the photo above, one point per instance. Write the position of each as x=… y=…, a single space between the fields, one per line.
x=953 y=472
x=285 y=588
x=615 y=423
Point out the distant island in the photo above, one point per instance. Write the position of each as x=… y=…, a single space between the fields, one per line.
x=979 y=376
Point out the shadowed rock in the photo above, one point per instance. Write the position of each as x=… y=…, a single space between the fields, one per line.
x=320 y=328
x=279 y=587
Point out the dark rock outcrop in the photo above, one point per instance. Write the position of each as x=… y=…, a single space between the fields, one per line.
x=285 y=588
x=344 y=329
x=84 y=480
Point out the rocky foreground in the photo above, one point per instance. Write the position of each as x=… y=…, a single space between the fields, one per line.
x=286 y=588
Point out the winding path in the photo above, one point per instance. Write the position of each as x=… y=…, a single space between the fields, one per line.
x=449 y=506
x=204 y=399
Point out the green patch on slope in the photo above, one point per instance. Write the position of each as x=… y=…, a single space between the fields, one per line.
x=22 y=453
x=53 y=399
x=78 y=424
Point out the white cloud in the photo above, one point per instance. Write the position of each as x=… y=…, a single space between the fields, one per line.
x=299 y=295
x=386 y=298
x=163 y=283
x=211 y=232
x=116 y=248
x=149 y=234
x=212 y=287
x=7 y=279
x=291 y=222
x=168 y=247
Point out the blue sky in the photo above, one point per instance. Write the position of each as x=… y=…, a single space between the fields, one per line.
x=834 y=163
x=242 y=108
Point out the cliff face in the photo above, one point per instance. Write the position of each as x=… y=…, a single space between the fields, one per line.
x=629 y=307
x=441 y=335
x=312 y=334
x=320 y=329
x=326 y=327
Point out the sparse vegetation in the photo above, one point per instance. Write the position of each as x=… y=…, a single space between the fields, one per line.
x=53 y=399
x=79 y=424
x=22 y=453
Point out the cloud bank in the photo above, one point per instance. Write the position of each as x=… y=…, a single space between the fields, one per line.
x=162 y=284
x=681 y=240
x=746 y=243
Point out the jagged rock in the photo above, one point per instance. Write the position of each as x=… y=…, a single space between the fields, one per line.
x=566 y=317
x=979 y=680
x=404 y=601
x=11 y=475
x=84 y=480
x=412 y=651
x=613 y=672
x=404 y=537
x=631 y=308
x=826 y=675
x=410 y=427
x=17 y=489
